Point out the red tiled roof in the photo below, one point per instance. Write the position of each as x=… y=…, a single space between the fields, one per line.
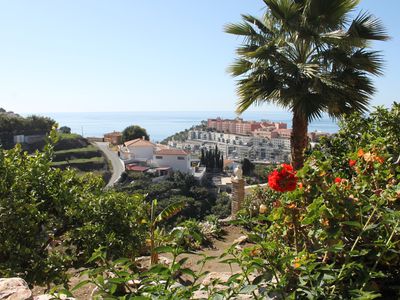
x=139 y=143
x=171 y=152
x=115 y=133
x=136 y=168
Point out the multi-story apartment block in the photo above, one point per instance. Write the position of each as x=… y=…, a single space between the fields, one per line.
x=235 y=146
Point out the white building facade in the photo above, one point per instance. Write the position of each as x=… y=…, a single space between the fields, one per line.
x=177 y=159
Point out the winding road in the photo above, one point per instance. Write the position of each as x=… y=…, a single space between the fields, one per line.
x=116 y=163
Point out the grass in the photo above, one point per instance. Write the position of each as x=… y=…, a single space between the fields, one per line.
x=69 y=136
x=79 y=161
x=74 y=150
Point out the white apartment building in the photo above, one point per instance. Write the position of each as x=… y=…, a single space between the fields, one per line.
x=234 y=146
x=138 y=149
x=177 y=159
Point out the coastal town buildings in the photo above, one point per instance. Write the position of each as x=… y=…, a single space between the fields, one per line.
x=114 y=138
x=140 y=155
x=263 y=141
x=137 y=149
x=176 y=159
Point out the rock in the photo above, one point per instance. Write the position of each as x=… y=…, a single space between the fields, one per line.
x=213 y=276
x=144 y=261
x=50 y=297
x=240 y=240
x=14 y=289
x=200 y=295
x=226 y=221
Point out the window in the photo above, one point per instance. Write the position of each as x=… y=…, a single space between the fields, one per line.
x=159 y=157
x=181 y=158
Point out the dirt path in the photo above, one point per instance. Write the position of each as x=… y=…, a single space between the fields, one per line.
x=219 y=247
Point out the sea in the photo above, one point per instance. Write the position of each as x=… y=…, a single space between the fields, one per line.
x=161 y=124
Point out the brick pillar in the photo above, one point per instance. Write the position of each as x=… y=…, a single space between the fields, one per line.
x=237 y=195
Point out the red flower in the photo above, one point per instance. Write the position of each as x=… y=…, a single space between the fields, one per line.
x=338 y=180
x=352 y=162
x=283 y=180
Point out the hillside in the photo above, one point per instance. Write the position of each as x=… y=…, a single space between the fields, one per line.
x=74 y=151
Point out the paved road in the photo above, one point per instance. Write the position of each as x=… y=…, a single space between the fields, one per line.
x=117 y=166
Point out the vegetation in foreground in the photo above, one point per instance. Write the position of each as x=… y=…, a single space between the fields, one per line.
x=334 y=235
x=329 y=231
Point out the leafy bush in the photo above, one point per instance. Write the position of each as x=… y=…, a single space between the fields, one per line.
x=179 y=186
x=337 y=235
x=113 y=220
x=50 y=219
x=222 y=206
x=13 y=124
x=134 y=132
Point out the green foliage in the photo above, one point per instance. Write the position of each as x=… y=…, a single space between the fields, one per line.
x=310 y=57
x=222 y=207
x=212 y=159
x=178 y=187
x=13 y=124
x=51 y=220
x=248 y=167
x=65 y=129
x=337 y=236
x=114 y=220
x=77 y=153
x=134 y=132
x=33 y=198
x=124 y=279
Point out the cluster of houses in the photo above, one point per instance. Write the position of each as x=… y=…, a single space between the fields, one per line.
x=263 y=141
x=141 y=155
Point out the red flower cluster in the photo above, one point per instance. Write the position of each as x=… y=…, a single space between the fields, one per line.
x=283 y=180
x=338 y=180
x=352 y=162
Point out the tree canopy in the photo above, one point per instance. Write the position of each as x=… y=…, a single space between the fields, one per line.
x=134 y=132
x=309 y=57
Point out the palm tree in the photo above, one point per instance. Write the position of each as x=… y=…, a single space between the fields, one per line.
x=309 y=57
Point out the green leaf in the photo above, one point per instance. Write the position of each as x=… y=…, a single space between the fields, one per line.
x=353 y=223
x=80 y=284
x=170 y=211
x=247 y=289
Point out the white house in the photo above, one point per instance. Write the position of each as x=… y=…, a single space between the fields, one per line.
x=138 y=150
x=177 y=159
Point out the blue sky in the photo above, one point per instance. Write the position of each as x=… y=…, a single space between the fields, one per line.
x=130 y=55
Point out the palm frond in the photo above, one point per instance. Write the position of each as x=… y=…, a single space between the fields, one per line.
x=366 y=26
x=241 y=29
x=258 y=23
x=239 y=67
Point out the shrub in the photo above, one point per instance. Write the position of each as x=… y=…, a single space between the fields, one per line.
x=337 y=234
x=50 y=219
x=222 y=206
x=113 y=220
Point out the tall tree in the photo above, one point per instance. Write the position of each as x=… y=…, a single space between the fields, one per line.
x=134 y=132
x=309 y=57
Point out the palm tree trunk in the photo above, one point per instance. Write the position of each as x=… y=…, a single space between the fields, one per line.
x=299 y=139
